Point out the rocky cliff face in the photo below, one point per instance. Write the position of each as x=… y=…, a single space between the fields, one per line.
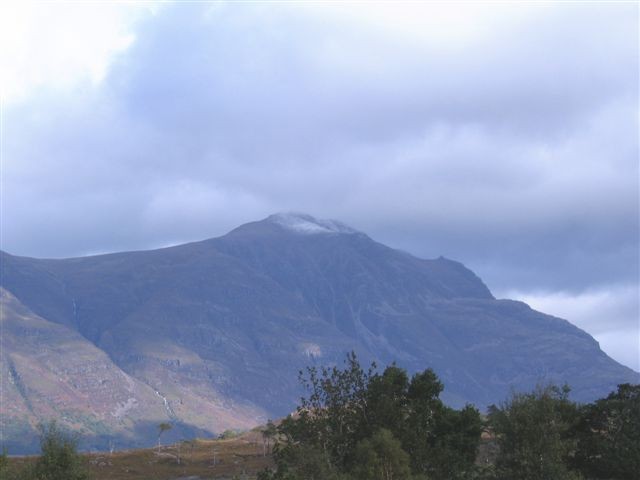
x=211 y=335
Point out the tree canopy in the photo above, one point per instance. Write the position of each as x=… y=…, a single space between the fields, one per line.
x=608 y=436
x=532 y=430
x=358 y=423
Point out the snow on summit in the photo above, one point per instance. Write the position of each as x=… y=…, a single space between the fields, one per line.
x=306 y=224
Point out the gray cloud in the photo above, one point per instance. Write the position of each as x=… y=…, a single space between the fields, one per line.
x=516 y=153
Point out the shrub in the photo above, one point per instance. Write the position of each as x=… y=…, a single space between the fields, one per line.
x=59 y=458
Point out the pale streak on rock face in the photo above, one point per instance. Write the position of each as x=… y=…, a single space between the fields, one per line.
x=131 y=384
x=311 y=350
x=123 y=408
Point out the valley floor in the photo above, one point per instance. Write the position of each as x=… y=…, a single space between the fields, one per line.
x=241 y=457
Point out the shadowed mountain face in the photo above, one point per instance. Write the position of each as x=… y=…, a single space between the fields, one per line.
x=213 y=333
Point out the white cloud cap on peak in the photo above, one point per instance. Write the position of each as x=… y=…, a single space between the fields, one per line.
x=306 y=224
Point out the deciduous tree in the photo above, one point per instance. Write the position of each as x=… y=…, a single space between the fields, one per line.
x=533 y=434
x=59 y=458
x=381 y=457
x=608 y=436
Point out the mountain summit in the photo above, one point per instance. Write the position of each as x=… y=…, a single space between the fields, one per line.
x=306 y=224
x=294 y=223
x=210 y=335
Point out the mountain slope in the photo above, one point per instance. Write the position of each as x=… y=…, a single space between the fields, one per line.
x=219 y=328
x=49 y=371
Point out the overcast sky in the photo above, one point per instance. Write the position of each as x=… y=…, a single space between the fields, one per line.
x=502 y=135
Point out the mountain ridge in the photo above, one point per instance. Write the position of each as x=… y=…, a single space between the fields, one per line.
x=218 y=328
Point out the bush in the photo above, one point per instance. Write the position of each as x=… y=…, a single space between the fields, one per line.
x=59 y=459
x=228 y=434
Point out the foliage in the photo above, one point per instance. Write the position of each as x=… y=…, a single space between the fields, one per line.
x=59 y=458
x=334 y=415
x=228 y=434
x=533 y=433
x=366 y=423
x=270 y=430
x=163 y=427
x=608 y=436
x=451 y=450
x=381 y=457
x=305 y=462
x=269 y=433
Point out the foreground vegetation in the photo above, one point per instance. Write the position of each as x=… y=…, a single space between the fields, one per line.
x=236 y=456
x=358 y=424
x=365 y=425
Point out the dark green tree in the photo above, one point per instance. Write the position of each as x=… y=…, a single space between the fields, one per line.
x=269 y=433
x=442 y=442
x=59 y=458
x=608 y=436
x=386 y=400
x=346 y=408
x=452 y=450
x=333 y=417
x=424 y=409
x=381 y=457
x=304 y=462
x=533 y=435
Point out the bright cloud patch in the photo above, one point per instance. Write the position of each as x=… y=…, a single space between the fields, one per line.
x=612 y=316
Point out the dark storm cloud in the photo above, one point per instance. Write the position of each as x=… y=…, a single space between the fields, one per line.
x=515 y=152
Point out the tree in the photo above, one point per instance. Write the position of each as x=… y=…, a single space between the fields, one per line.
x=304 y=462
x=332 y=417
x=163 y=427
x=228 y=434
x=451 y=451
x=268 y=433
x=381 y=457
x=59 y=458
x=424 y=408
x=442 y=442
x=387 y=400
x=533 y=435
x=350 y=414
x=608 y=436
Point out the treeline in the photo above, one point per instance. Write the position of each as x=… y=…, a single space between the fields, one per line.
x=365 y=425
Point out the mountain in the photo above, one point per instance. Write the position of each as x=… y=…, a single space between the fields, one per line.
x=210 y=335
